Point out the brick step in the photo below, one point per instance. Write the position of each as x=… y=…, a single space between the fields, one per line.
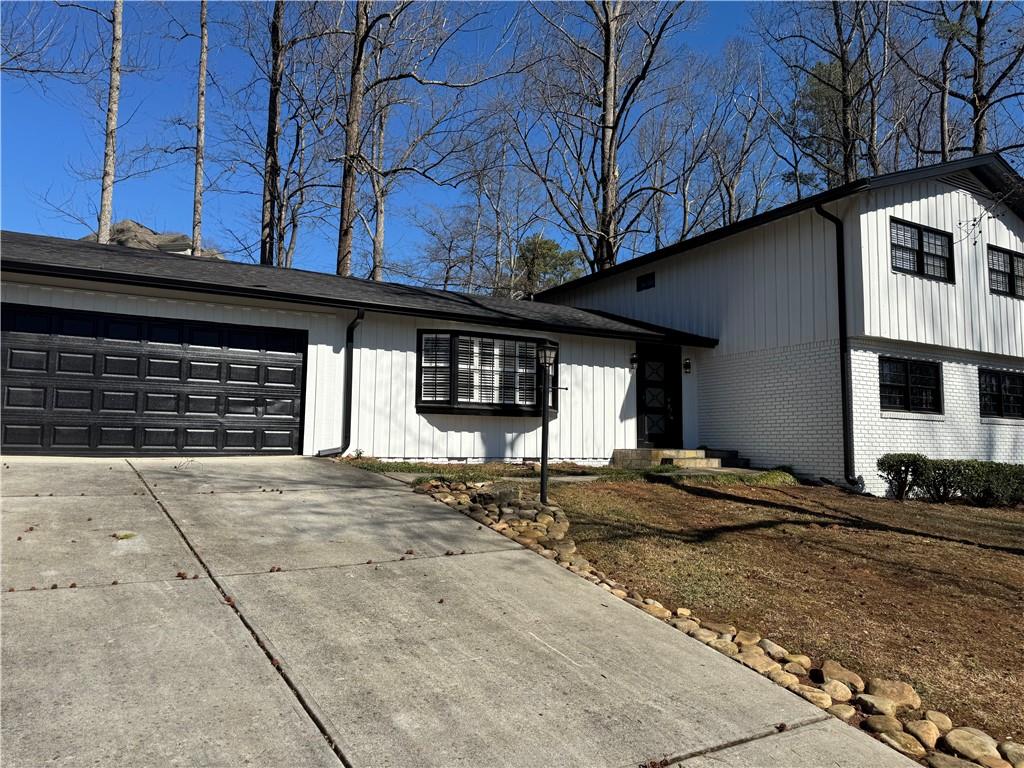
x=642 y=458
x=728 y=458
x=694 y=463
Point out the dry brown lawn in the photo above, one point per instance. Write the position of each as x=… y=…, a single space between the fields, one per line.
x=930 y=594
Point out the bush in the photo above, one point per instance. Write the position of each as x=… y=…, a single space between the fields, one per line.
x=941 y=479
x=991 y=484
x=901 y=472
x=981 y=483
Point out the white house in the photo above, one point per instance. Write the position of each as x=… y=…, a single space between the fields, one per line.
x=885 y=315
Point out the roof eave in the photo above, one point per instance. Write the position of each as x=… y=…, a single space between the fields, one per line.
x=647 y=333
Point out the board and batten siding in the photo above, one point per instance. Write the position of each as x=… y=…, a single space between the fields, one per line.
x=769 y=287
x=964 y=315
x=325 y=362
x=596 y=413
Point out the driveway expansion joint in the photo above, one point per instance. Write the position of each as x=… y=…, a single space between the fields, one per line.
x=304 y=700
x=781 y=728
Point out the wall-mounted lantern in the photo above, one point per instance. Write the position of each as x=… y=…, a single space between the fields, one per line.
x=634 y=361
x=687 y=366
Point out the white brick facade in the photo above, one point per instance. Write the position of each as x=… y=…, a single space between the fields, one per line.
x=775 y=406
x=959 y=432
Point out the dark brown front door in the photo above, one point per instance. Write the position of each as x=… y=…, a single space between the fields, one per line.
x=658 y=392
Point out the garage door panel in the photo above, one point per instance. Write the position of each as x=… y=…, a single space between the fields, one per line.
x=147 y=385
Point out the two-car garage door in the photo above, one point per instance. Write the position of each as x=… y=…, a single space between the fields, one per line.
x=89 y=383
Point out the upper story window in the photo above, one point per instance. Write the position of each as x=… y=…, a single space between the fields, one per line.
x=919 y=250
x=1001 y=393
x=1005 y=272
x=461 y=372
x=645 y=282
x=909 y=385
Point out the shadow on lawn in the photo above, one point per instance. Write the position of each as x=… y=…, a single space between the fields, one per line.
x=831 y=516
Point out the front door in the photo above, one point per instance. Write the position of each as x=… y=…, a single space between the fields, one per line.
x=659 y=394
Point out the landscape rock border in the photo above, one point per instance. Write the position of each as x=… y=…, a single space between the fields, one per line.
x=890 y=710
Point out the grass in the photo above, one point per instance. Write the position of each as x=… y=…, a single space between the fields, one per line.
x=495 y=470
x=929 y=594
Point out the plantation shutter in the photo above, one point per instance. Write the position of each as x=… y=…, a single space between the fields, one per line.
x=435 y=368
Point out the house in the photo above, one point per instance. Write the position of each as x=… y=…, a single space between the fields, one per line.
x=114 y=350
x=885 y=315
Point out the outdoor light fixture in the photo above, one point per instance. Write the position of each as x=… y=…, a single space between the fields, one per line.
x=634 y=360
x=686 y=365
x=546 y=352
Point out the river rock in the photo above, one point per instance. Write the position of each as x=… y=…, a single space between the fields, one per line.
x=939 y=760
x=784 y=679
x=814 y=695
x=882 y=724
x=837 y=690
x=844 y=712
x=743 y=637
x=727 y=647
x=774 y=650
x=876 y=705
x=905 y=743
x=684 y=625
x=759 y=662
x=704 y=635
x=658 y=612
x=799 y=658
x=924 y=731
x=833 y=670
x=719 y=628
x=902 y=694
x=941 y=720
x=1013 y=751
x=971 y=743
x=794 y=669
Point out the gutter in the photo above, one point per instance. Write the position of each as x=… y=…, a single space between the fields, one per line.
x=346 y=407
x=846 y=385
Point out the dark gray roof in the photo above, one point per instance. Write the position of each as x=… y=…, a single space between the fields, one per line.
x=991 y=172
x=57 y=257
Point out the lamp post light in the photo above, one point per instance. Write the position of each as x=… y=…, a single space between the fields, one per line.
x=546 y=352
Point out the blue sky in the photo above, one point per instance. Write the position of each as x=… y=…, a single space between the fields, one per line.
x=47 y=136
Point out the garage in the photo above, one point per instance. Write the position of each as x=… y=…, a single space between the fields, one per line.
x=77 y=382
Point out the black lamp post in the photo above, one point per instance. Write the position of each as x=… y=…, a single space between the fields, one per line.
x=546 y=352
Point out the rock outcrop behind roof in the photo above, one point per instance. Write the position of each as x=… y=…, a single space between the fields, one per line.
x=132 y=234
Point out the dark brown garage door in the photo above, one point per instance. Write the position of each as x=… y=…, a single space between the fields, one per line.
x=90 y=383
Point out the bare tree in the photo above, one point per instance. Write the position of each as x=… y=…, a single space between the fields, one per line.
x=110 y=130
x=605 y=79
x=197 y=188
x=37 y=44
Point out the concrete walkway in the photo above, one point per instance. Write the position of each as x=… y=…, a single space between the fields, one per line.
x=304 y=634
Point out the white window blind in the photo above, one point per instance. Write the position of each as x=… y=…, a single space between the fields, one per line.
x=435 y=368
x=494 y=371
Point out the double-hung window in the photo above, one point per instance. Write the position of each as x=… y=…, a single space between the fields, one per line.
x=461 y=372
x=909 y=385
x=1005 y=272
x=1001 y=393
x=919 y=250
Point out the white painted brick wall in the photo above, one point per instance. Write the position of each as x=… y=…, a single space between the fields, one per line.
x=958 y=433
x=776 y=406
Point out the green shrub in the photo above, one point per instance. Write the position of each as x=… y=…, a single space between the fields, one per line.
x=992 y=484
x=941 y=479
x=901 y=472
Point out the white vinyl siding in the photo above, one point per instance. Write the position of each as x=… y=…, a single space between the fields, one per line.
x=596 y=408
x=965 y=314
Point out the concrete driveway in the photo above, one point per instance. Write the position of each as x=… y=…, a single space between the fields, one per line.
x=303 y=634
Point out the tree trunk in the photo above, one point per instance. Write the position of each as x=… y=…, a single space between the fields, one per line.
x=979 y=96
x=379 y=206
x=110 y=138
x=604 y=251
x=353 y=120
x=197 y=187
x=944 y=103
x=845 y=96
x=271 y=162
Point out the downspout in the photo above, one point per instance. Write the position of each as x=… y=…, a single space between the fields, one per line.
x=846 y=387
x=346 y=406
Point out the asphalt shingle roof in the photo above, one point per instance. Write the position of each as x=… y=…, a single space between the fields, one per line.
x=58 y=257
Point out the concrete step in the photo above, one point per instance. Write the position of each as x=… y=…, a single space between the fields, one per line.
x=728 y=458
x=695 y=463
x=642 y=458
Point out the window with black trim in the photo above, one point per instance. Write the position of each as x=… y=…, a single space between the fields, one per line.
x=922 y=251
x=909 y=385
x=462 y=372
x=645 y=282
x=1005 y=272
x=1001 y=394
